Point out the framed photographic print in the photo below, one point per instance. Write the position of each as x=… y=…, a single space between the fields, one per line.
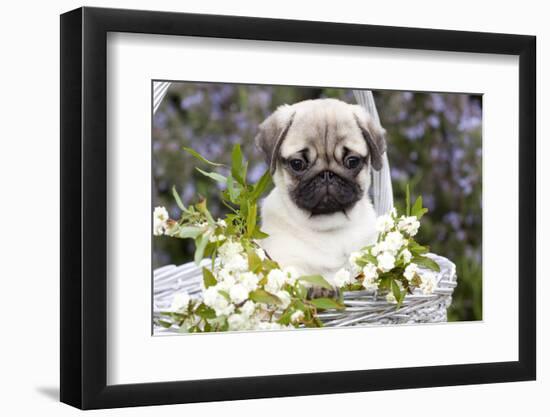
x=257 y=208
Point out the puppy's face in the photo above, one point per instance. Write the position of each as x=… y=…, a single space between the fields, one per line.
x=321 y=152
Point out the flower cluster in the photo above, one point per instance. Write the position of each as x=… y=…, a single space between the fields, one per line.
x=243 y=288
x=396 y=264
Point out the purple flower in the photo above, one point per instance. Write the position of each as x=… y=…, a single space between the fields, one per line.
x=192 y=100
x=256 y=171
x=453 y=218
x=415 y=132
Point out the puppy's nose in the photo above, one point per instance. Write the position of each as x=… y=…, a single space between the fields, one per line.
x=327 y=175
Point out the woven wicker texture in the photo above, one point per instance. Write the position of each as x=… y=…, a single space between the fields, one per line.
x=362 y=307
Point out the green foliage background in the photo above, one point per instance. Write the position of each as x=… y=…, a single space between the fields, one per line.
x=434 y=144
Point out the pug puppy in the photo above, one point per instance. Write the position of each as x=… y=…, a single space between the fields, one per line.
x=320 y=153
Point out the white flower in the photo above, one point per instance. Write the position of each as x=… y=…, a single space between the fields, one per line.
x=370 y=271
x=161 y=214
x=390 y=298
x=393 y=213
x=394 y=241
x=261 y=254
x=237 y=322
x=410 y=271
x=230 y=250
x=160 y=217
x=342 y=278
x=380 y=247
x=406 y=255
x=429 y=282
x=409 y=225
x=384 y=223
x=284 y=297
x=180 y=301
x=386 y=261
x=275 y=280
x=249 y=280
x=370 y=284
x=297 y=316
x=218 y=238
x=171 y=228
x=291 y=274
x=221 y=223
x=237 y=263
x=212 y=298
x=248 y=308
x=225 y=276
x=266 y=325
x=238 y=293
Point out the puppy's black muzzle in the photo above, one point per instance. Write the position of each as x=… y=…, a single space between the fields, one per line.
x=326 y=193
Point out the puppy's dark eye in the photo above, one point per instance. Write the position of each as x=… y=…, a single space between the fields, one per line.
x=352 y=162
x=297 y=165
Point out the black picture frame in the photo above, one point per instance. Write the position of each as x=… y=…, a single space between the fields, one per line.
x=84 y=207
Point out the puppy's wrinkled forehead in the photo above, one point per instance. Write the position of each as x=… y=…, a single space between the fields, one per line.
x=325 y=130
x=321 y=128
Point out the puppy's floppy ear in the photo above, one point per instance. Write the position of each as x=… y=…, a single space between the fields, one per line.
x=272 y=133
x=374 y=134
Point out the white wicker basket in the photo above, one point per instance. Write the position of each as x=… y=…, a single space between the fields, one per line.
x=362 y=307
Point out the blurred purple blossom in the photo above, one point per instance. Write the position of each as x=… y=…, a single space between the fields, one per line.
x=192 y=100
x=438 y=104
x=433 y=121
x=415 y=132
x=256 y=171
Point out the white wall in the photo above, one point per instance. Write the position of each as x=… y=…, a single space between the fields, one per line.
x=29 y=175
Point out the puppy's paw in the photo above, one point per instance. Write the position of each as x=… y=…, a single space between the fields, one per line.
x=321 y=292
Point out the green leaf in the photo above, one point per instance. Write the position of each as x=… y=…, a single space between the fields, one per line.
x=251 y=219
x=384 y=282
x=316 y=280
x=237 y=164
x=254 y=261
x=234 y=190
x=407 y=201
x=200 y=245
x=395 y=290
x=301 y=291
x=201 y=207
x=200 y=157
x=262 y=296
x=244 y=169
x=258 y=234
x=213 y=175
x=285 y=317
x=178 y=199
x=356 y=286
x=426 y=262
x=260 y=186
x=224 y=326
x=327 y=303
x=367 y=257
x=417 y=210
x=164 y=324
x=188 y=232
x=208 y=278
x=205 y=312
x=224 y=294
x=417 y=249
